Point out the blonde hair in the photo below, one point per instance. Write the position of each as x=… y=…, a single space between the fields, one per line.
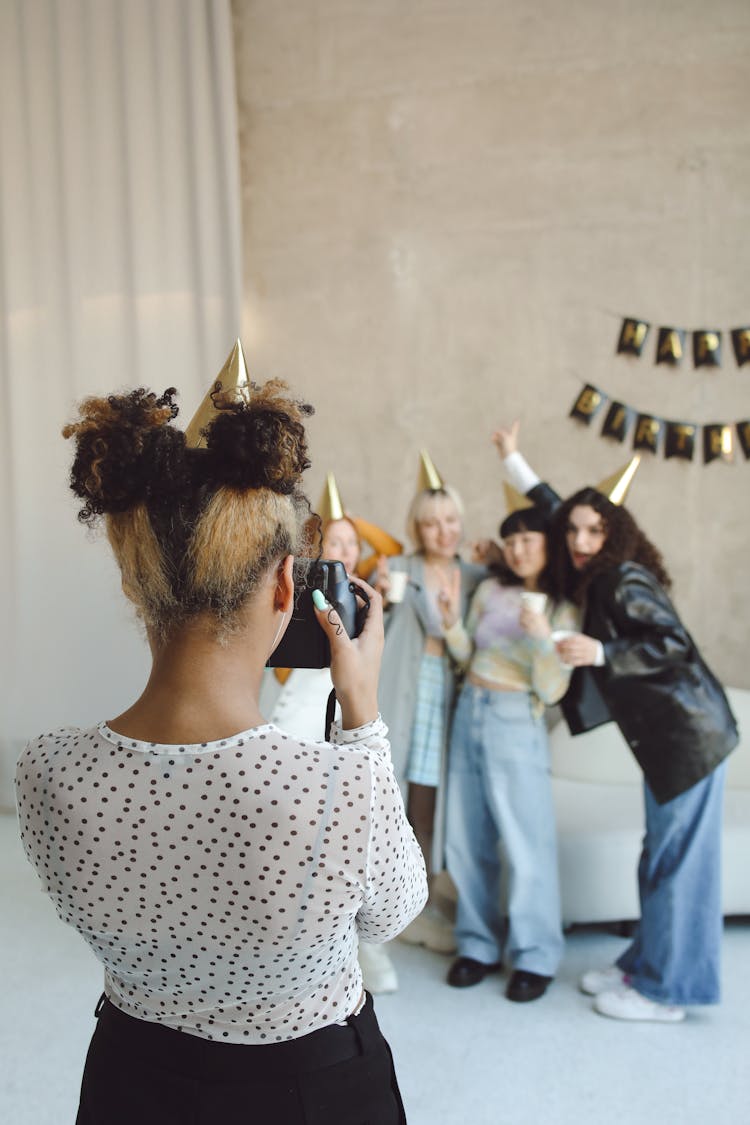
x=419 y=505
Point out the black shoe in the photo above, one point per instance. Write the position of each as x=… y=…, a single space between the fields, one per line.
x=465 y=971
x=524 y=986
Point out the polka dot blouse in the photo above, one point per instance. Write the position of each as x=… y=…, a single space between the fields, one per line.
x=224 y=885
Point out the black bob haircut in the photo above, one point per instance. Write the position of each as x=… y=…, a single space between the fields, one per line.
x=524 y=519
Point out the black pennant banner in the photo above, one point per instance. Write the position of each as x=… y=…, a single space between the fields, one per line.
x=670 y=346
x=632 y=336
x=741 y=345
x=617 y=421
x=670 y=343
x=743 y=433
x=707 y=349
x=587 y=405
x=653 y=434
x=679 y=440
x=648 y=430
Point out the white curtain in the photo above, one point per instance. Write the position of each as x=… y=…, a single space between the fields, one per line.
x=120 y=266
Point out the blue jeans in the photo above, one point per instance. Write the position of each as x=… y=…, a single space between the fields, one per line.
x=675 y=956
x=499 y=790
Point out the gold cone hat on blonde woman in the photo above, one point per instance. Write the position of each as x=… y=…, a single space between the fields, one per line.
x=429 y=479
x=232 y=381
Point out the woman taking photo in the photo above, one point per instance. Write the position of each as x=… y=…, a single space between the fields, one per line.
x=417 y=680
x=499 y=786
x=220 y=869
x=636 y=664
x=301 y=699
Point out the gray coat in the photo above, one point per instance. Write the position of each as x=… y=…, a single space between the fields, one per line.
x=404 y=645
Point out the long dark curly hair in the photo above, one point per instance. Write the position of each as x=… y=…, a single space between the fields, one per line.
x=625 y=542
x=193 y=530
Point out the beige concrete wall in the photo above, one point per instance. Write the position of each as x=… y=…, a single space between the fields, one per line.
x=448 y=203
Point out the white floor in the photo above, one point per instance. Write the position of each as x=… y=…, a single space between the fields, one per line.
x=464 y=1057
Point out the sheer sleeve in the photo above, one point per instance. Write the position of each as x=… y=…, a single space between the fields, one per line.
x=396 y=885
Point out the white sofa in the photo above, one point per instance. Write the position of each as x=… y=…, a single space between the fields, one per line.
x=598 y=797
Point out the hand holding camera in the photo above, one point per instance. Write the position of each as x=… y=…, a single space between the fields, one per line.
x=355 y=660
x=337 y=621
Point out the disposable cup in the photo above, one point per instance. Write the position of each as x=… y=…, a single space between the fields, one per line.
x=398 y=581
x=560 y=635
x=534 y=601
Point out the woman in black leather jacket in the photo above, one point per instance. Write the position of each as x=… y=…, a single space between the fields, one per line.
x=636 y=664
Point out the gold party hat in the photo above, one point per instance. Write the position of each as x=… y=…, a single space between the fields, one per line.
x=330 y=506
x=232 y=381
x=615 y=488
x=515 y=501
x=429 y=479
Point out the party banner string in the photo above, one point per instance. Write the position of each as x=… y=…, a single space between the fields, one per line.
x=654 y=434
x=671 y=343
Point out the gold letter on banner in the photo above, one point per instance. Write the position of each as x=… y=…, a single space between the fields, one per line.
x=616 y=422
x=670 y=345
x=707 y=348
x=743 y=433
x=741 y=344
x=717 y=442
x=587 y=404
x=647 y=431
x=632 y=336
x=679 y=440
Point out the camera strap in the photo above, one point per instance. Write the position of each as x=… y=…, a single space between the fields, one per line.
x=330 y=713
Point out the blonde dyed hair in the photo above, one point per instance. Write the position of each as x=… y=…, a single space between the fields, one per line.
x=238 y=536
x=420 y=504
x=146 y=580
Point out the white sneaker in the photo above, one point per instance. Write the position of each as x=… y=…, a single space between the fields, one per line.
x=378 y=971
x=627 y=1004
x=432 y=930
x=601 y=980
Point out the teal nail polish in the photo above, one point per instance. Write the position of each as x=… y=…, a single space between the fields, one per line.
x=319 y=600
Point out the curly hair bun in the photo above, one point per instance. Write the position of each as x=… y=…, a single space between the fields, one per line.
x=126 y=452
x=260 y=443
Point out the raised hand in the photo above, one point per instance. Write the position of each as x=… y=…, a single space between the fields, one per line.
x=506 y=438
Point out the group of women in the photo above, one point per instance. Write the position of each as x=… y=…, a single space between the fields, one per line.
x=226 y=870
x=575 y=610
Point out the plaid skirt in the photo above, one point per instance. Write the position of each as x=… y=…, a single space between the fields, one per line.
x=423 y=766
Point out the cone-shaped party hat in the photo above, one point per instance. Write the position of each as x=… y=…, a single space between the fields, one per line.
x=232 y=381
x=429 y=479
x=515 y=501
x=615 y=488
x=330 y=506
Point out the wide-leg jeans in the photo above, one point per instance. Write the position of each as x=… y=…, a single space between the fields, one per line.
x=499 y=790
x=675 y=955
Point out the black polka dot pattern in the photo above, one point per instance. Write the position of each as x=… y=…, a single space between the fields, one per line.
x=223 y=885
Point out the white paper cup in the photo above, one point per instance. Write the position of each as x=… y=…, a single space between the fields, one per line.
x=534 y=601
x=398 y=580
x=560 y=635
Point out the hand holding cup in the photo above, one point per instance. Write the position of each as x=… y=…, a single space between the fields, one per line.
x=575 y=650
x=532 y=618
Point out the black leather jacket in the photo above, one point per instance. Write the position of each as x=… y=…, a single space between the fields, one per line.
x=655 y=685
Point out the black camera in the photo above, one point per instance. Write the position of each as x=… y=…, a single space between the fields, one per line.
x=304 y=644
